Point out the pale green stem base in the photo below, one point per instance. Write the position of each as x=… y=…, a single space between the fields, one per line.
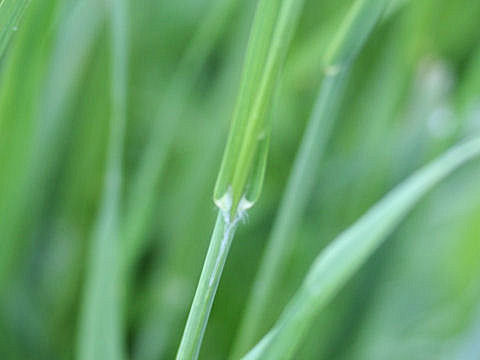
x=207 y=287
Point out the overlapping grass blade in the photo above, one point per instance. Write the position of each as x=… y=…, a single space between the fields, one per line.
x=340 y=260
x=165 y=313
x=18 y=138
x=348 y=41
x=241 y=174
x=268 y=43
x=100 y=334
x=11 y=12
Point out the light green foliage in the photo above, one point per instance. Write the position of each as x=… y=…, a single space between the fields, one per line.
x=11 y=12
x=114 y=116
x=100 y=330
x=240 y=174
x=349 y=250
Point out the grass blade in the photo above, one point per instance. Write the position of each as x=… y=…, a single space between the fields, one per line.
x=207 y=286
x=349 y=251
x=155 y=335
x=19 y=151
x=245 y=153
x=352 y=35
x=268 y=44
x=57 y=92
x=100 y=330
x=11 y=12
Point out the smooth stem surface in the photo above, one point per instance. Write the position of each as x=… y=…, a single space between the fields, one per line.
x=273 y=27
x=268 y=44
x=344 y=256
x=207 y=287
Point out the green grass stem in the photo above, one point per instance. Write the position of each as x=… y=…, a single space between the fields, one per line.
x=353 y=33
x=100 y=331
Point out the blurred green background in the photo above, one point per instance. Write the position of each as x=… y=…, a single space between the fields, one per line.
x=414 y=91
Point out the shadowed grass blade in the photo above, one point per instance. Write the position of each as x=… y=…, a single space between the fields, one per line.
x=78 y=27
x=11 y=12
x=346 y=44
x=100 y=334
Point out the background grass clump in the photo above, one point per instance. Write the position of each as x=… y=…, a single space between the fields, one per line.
x=113 y=121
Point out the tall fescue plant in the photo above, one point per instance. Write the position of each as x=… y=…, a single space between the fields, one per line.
x=241 y=174
x=103 y=220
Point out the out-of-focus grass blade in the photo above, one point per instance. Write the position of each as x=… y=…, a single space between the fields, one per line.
x=11 y=12
x=164 y=312
x=353 y=33
x=100 y=334
x=21 y=80
x=348 y=41
x=141 y=197
x=340 y=260
x=62 y=73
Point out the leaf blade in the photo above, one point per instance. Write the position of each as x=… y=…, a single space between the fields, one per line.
x=334 y=266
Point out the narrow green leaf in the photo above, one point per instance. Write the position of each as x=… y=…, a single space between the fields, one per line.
x=245 y=154
x=344 y=256
x=271 y=33
x=353 y=33
x=11 y=12
x=344 y=48
x=22 y=79
x=293 y=204
x=255 y=181
x=99 y=335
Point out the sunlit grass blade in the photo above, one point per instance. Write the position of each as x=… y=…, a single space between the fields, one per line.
x=270 y=36
x=345 y=46
x=99 y=335
x=21 y=80
x=340 y=260
x=11 y=12
x=57 y=90
x=241 y=174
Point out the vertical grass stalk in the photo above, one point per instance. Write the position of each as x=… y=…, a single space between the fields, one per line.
x=99 y=334
x=241 y=174
x=344 y=256
x=207 y=286
x=348 y=41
